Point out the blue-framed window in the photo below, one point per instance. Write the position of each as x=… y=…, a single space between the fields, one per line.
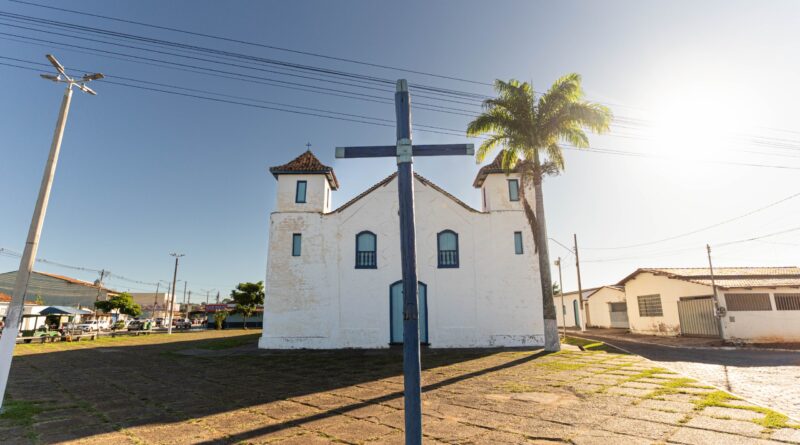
x=297 y=244
x=366 y=250
x=518 y=243
x=447 y=246
x=513 y=189
x=300 y=192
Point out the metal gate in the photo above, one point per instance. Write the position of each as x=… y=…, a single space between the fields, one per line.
x=619 y=315
x=697 y=318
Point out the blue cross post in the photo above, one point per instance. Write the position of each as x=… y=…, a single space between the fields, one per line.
x=404 y=151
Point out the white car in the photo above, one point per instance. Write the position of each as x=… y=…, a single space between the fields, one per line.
x=93 y=325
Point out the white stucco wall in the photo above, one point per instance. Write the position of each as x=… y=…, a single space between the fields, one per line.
x=670 y=290
x=762 y=326
x=749 y=326
x=320 y=300
x=569 y=312
x=598 y=306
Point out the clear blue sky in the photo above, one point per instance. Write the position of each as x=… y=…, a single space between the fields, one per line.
x=143 y=174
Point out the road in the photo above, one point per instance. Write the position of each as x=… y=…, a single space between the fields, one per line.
x=767 y=377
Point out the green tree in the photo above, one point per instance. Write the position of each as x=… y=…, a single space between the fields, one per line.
x=531 y=132
x=122 y=302
x=247 y=297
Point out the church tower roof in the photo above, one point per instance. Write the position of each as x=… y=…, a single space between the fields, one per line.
x=306 y=164
x=495 y=166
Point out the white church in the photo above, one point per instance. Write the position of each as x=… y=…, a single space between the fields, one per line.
x=333 y=275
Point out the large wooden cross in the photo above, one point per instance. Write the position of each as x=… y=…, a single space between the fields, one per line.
x=404 y=151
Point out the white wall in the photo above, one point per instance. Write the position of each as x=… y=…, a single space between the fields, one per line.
x=598 y=306
x=762 y=326
x=749 y=326
x=670 y=290
x=569 y=299
x=320 y=300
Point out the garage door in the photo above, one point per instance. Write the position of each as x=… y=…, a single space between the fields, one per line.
x=619 y=314
x=697 y=318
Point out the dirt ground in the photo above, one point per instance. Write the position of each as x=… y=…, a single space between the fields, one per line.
x=217 y=387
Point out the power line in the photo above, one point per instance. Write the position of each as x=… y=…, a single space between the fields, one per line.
x=244 y=42
x=692 y=232
x=422 y=127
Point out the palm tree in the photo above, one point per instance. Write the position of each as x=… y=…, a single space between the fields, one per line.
x=530 y=132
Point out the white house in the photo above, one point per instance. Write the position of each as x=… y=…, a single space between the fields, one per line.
x=760 y=304
x=333 y=275
x=604 y=307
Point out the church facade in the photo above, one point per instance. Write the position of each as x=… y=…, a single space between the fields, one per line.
x=333 y=275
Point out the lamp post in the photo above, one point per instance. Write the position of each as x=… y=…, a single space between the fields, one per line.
x=15 y=309
x=172 y=297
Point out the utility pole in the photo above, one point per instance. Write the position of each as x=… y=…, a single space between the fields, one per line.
x=155 y=302
x=172 y=298
x=14 y=315
x=184 y=298
x=715 y=298
x=217 y=297
x=561 y=292
x=99 y=284
x=582 y=311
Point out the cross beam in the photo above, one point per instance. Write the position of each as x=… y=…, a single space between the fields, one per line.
x=385 y=151
x=404 y=151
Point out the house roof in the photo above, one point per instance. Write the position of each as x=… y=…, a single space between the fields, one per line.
x=495 y=166
x=74 y=281
x=585 y=293
x=306 y=163
x=5 y=298
x=728 y=277
x=421 y=179
x=613 y=287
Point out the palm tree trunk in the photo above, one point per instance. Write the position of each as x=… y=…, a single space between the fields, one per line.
x=551 y=340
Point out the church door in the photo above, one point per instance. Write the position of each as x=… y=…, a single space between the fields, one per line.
x=396 y=312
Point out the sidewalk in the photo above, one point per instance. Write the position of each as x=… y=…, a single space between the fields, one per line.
x=661 y=340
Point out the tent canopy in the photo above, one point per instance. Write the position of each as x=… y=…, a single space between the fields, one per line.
x=63 y=310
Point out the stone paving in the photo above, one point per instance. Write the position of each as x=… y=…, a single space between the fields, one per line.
x=767 y=377
x=210 y=388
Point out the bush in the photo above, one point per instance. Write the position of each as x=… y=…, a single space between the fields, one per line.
x=219 y=318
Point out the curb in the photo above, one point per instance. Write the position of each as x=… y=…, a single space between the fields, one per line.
x=680 y=373
x=709 y=348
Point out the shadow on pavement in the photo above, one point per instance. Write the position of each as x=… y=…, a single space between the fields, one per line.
x=96 y=390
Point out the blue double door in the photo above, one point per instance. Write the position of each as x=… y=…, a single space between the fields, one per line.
x=396 y=312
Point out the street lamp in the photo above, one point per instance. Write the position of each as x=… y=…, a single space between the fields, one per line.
x=15 y=308
x=172 y=298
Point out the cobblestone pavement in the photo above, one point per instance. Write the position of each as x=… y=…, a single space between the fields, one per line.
x=767 y=377
x=210 y=388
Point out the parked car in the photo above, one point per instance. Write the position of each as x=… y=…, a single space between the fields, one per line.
x=140 y=325
x=88 y=326
x=181 y=323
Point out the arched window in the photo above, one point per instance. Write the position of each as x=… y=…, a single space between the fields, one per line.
x=447 y=243
x=366 y=244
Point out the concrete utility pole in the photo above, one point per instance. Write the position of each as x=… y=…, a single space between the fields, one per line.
x=403 y=151
x=172 y=298
x=155 y=302
x=582 y=311
x=15 y=308
x=561 y=292
x=717 y=309
x=99 y=284
x=184 y=298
